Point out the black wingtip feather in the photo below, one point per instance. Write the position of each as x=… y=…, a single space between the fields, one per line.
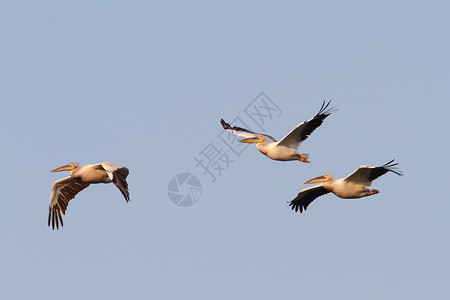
x=119 y=179
x=225 y=125
x=391 y=166
x=60 y=220
x=324 y=112
x=296 y=206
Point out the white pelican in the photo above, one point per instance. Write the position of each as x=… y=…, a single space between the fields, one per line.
x=283 y=150
x=65 y=189
x=351 y=187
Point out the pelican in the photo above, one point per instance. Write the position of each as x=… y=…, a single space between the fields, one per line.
x=65 y=189
x=285 y=149
x=351 y=187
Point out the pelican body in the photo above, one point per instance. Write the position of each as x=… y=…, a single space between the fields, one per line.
x=285 y=149
x=351 y=187
x=273 y=150
x=65 y=189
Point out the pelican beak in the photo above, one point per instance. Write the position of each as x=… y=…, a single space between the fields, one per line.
x=322 y=178
x=251 y=140
x=63 y=168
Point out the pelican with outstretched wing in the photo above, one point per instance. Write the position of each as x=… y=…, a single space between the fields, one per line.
x=351 y=187
x=285 y=149
x=65 y=189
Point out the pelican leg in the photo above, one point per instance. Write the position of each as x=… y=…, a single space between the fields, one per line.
x=303 y=158
x=371 y=192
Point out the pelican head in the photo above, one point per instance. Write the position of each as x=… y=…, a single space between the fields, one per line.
x=323 y=178
x=69 y=167
x=256 y=139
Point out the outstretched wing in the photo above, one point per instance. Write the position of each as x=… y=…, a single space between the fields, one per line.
x=239 y=131
x=303 y=130
x=118 y=175
x=366 y=174
x=63 y=191
x=306 y=196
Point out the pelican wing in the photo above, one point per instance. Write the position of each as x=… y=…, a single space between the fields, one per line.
x=63 y=191
x=118 y=175
x=366 y=174
x=303 y=130
x=239 y=131
x=306 y=196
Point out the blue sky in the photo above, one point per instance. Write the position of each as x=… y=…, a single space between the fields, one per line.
x=144 y=84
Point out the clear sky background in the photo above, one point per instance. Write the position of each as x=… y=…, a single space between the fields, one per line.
x=144 y=84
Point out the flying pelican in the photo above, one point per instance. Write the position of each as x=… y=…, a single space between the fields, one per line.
x=351 y=187
x=65 y=189
x=283 y=150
